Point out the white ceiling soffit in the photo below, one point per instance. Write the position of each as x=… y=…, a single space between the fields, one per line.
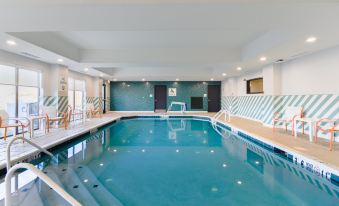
x=163 y=39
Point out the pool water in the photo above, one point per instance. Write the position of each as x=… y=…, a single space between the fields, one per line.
x=175 y=162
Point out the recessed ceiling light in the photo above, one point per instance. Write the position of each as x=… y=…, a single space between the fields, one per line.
x=212 y=79
x=11 y=42
x=101 y=74
x=263 y=59
x=224 y=74
x=311 y=39
x=143 y=79
x=239 y=68
x=86 y=69
x=177 y=79
x=60 y=60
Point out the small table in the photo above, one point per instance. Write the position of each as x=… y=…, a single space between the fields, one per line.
x=310 y=121
x=40 y=118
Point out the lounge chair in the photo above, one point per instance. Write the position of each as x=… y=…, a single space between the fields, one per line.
x=328 y=126
x=91 y=111
x=53 y=116
x=287 y=117
x=7 y=122
x=75 y=114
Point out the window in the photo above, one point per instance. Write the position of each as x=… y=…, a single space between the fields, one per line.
x=20 y=91
x=76 y=93
x=255 y=86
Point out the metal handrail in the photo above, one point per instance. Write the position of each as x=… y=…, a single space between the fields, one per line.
x=8 y=157
x=221 y=112
x=42 y=176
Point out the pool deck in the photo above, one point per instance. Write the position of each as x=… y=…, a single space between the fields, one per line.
x=316 y=151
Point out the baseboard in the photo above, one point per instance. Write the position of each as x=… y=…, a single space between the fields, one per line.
x=187 y=112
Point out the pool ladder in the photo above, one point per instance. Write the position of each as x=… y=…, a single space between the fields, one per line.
x=227 y=116
x=37 y=172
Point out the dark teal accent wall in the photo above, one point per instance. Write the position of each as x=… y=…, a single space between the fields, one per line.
x=135 y=96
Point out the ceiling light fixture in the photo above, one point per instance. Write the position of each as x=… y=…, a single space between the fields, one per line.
x=101 y=74
x=143 y=79
x=263 y=59
x=311 y=39
x=11 y=42
x=114 y=79
x=177 y=79
x=224 y=74
x=212 y=79
x=239 y=68
x=60 y=60
x=86 y=69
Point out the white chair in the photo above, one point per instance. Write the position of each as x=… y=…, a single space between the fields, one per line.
x=53 y=116
x=7 y=122
x=287 y=117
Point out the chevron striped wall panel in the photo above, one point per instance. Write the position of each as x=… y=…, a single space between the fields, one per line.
x=262 y=108
x=96 y=101
x=230 y=103
x=62 y=103
x=50 y=101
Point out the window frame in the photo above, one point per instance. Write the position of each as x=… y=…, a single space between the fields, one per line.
x=248 y=86
x=17 y=85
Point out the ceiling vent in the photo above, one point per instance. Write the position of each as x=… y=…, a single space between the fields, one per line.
x=30 y=55
x=279 y=61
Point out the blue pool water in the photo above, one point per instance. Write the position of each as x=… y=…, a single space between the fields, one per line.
x=176 y=162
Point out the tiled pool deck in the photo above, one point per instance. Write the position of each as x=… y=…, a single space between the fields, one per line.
x=316 y=151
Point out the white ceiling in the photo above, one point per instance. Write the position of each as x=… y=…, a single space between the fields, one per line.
x=167 y=39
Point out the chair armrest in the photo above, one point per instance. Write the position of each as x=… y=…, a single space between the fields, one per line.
x=323 y=120
x=62 y=114
x=276 y=115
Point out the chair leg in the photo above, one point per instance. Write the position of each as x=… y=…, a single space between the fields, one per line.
x=331 y=140
x=5 y=133
x=316 y=134
x=48 y=125
x=65 y=122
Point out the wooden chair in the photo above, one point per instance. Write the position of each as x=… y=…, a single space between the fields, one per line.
x=329 y=126
x=53 y=116
x=92 y=112
x=7 y=122
x=287 y=117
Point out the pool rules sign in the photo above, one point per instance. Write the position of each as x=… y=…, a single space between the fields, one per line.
x=172 y=92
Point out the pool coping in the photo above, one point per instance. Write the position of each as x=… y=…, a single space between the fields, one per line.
x=309 y=163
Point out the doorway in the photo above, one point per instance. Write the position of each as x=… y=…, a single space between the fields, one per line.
x=104 y=96
x=160 y=98
x=214 y=98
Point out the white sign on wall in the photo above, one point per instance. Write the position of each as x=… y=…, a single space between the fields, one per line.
x=172 y=92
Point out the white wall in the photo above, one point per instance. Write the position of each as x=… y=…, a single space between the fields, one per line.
x=317 y=73
x=50 y=73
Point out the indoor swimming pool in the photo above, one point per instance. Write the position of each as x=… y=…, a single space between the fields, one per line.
x=172 y=161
